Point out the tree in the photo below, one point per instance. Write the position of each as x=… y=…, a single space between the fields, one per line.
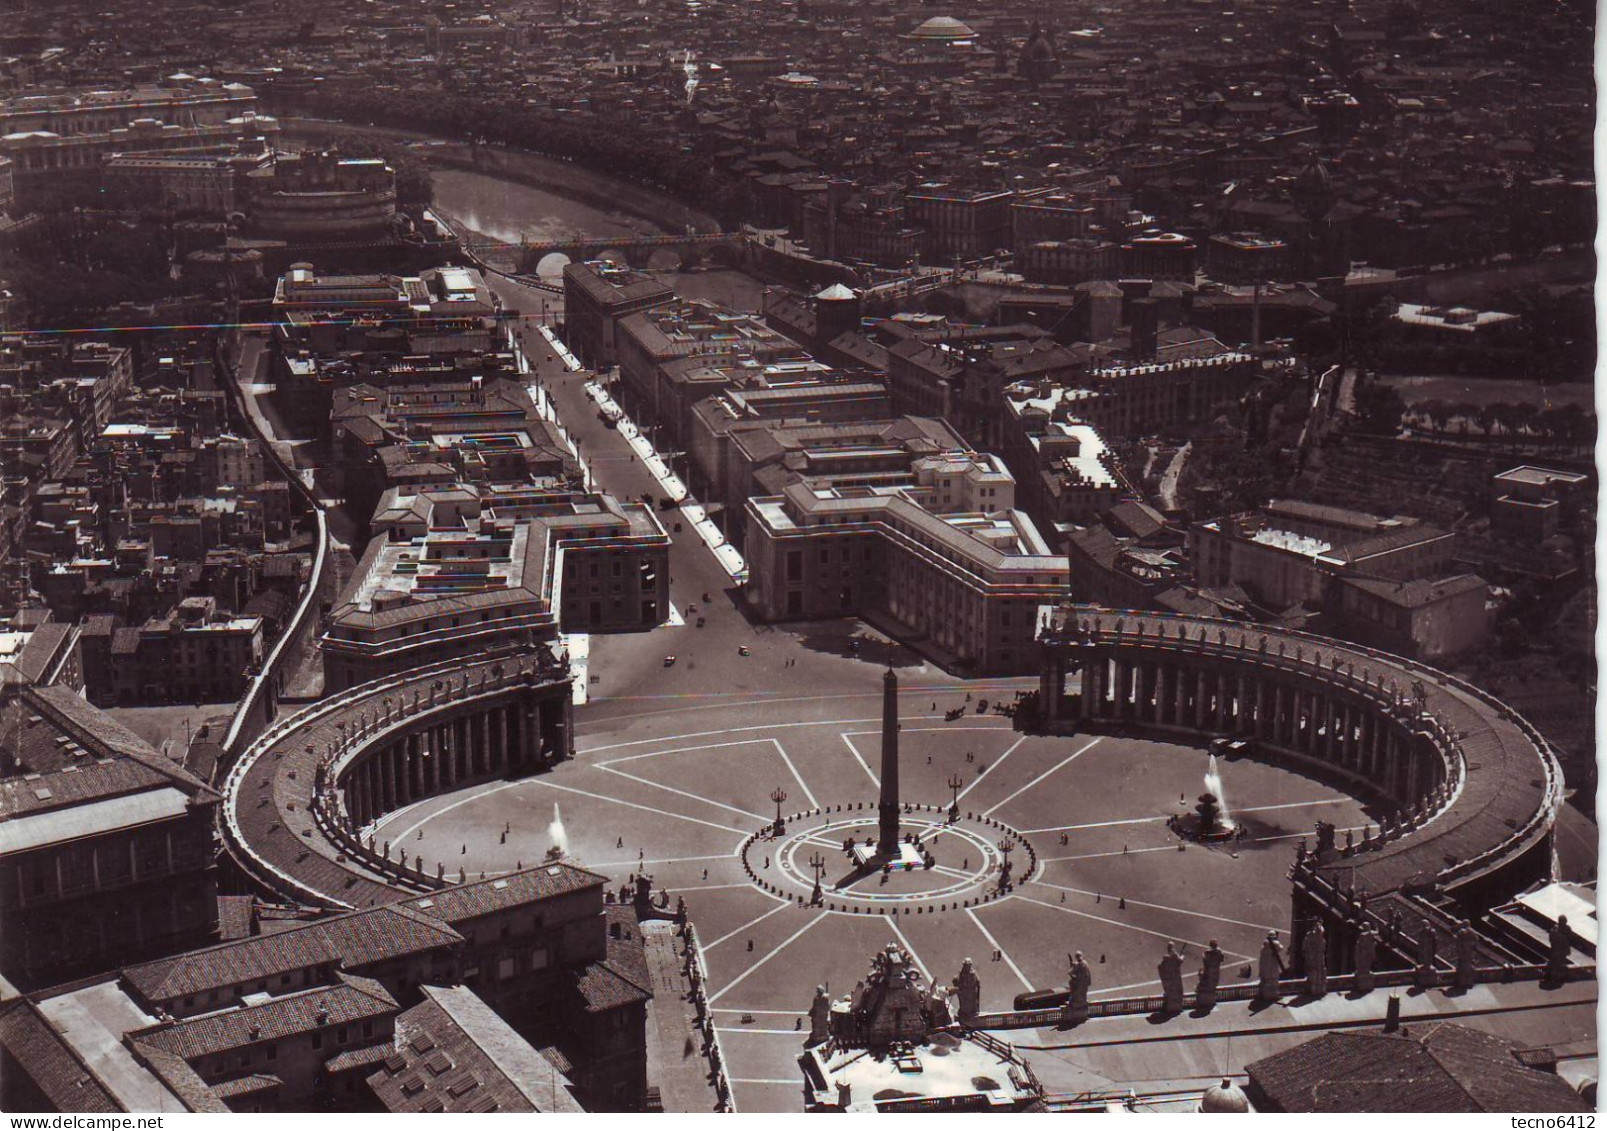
x=1502 y=414
x=1576 y=426
x=1379 y=408
x=1436 y=412
x=1524 y=415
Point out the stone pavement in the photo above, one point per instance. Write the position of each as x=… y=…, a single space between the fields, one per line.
x=674 y=1064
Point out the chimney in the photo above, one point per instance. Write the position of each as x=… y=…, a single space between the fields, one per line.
x=1392 y=1017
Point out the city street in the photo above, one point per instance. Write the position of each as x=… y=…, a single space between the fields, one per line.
x=628 y=669
x=676 y=765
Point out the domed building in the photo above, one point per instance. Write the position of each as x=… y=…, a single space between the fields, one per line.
x=1039 y=59
x=1226 y=1098
x=1312 y=192
x=941 y=30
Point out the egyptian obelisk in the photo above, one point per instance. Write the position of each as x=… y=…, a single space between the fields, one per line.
x=887 y=807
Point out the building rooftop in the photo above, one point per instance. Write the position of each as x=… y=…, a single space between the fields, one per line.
x=92 y=1020
x=949 y=1067
x=452 y=1053
x=1431 y=1066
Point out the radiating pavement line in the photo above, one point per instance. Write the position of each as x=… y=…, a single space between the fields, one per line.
x=983 y=776
x=682 y=792
x=1130 y=926
x=860 y=758
x=740 y=978
x=760 y=699
x=723 y=730
x=748 y=926
x=809 y=793
x=1066 y=761
x=607 y=762
x=627 y=804
x=994 y=943
x=1164 y=907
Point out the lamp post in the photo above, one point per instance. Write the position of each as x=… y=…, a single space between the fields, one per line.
x=778 y=795
x=954 y=783
x=818 y=863
x=1005 y=846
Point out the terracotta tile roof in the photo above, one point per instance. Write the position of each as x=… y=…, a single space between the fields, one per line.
x=458 y=903
x=352 y=999
x=353 y=941
x=182 y=1080
x=353 y=1059
x=1434 y=1067
x=41 y=1053
x=452 y=1053
x=435 y=1066
x=385 y=932
x=622 y=978
x=44 y=726
x=246 y=1086
x=230 y=964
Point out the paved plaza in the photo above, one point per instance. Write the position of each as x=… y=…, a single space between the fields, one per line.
x=680 y=792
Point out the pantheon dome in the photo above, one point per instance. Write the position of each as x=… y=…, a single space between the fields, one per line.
x=941 y=29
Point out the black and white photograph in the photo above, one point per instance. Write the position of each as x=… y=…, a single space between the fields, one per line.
x=764 y=557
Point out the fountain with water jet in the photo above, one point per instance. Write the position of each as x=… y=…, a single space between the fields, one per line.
x=560 y=838
x=1210 y=820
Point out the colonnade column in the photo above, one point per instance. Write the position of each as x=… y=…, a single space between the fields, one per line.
x=1414 y=788
x=1052 y=688
x=482 y=745
x=499 y=756
x=384 y=785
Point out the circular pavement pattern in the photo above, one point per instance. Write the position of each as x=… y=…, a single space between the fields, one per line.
x=949 y=865
x=681 y=792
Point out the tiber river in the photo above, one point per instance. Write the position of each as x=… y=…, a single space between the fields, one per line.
x=507 y=210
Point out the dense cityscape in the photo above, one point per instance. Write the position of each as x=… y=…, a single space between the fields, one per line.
x=791 y=490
